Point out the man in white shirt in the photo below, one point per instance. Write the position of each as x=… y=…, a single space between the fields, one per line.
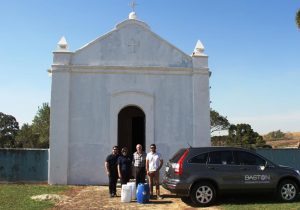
x=154 y=162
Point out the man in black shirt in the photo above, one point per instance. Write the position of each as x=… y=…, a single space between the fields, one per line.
x=111 y=163
x=124 y=166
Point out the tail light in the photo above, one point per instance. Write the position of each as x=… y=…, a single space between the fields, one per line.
x=178 y=165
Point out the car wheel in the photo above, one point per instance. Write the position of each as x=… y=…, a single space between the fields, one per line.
x=288 y=191
x=203 y=194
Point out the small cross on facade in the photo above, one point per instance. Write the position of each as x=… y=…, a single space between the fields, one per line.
x=133 y=45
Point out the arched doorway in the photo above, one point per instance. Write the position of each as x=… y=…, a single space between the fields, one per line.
x=131 y=128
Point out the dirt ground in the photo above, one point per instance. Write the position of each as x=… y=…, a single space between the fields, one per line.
x=292 y=143
x=96 y=197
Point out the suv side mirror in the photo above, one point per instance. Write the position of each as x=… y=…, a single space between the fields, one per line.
x=266 y=165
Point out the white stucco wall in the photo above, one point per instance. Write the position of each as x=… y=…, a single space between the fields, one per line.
x=91 y=86
x=59 y=129
x=95 y=101
x=131 y=43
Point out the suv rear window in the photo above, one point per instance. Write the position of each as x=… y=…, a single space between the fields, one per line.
x=177 y=155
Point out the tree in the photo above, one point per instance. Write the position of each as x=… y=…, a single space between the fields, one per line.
x=243 y=135
x=36 y=135
x=9 y=128
x=217 y=122
x=26 y=138
x=275 y=135
x=41 y=125
x=219 y=140
x=298 y=18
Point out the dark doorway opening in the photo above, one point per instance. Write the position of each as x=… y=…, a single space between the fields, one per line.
x=131 y=128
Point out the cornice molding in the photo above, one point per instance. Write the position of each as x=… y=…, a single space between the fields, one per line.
x=132 y=92
x=128 y=70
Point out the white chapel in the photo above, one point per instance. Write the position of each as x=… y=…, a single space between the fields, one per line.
x=126 y=87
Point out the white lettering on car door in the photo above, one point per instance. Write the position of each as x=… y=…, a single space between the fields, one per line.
x=257 y=178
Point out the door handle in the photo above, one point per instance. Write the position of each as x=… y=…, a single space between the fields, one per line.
x=244 y=169
x=211 y=167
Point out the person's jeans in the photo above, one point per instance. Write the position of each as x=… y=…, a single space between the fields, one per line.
x=113 y=178
x=140 y=173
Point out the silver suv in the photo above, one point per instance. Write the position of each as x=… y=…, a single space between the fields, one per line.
x=203 y=173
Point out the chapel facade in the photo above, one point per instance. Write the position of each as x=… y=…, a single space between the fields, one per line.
x=126 y=87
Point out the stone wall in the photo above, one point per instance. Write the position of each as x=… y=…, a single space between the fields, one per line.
x=286 y=157
x=23 y=165
x=31 y=165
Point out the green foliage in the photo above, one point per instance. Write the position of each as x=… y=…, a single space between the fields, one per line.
x=9 y=128
x=218 y=122
x=26 y=138
x=41 y=125
x=238 y=135
x=244 y=136
x=36 y=135
x=17 y=197
x=219 y=140
x=275 y=135
x=298 y=18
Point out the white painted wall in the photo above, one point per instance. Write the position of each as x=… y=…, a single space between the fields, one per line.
x=91 y=86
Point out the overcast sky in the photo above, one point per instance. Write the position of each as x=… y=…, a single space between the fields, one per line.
x=253 y=48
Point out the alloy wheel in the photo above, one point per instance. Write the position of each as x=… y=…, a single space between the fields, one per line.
x=204 y=194
x=288 y=191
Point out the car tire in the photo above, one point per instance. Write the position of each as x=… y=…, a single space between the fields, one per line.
x=287 y=191
x=186 y=200
x=203 y=194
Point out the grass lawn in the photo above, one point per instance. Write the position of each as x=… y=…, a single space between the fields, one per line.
x=17 y=196
x=256 y=202
x=274 y=206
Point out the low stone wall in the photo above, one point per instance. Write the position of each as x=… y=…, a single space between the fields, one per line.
x=31 y=165
x=24 y=165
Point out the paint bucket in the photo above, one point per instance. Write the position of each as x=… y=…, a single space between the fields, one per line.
x=142 y=193
x=133 y=190
x=126 y=194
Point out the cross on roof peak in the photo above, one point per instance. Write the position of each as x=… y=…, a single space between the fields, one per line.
x=133 y=4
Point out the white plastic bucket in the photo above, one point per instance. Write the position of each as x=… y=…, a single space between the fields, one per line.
x=126 y=194
x=133 y=190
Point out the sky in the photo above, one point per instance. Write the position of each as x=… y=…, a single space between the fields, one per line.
x=253 y=48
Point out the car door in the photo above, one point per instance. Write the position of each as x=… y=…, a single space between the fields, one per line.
x=222 y=169
x=253 y=173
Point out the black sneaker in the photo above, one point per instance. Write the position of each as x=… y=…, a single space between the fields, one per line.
x=152 y=197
